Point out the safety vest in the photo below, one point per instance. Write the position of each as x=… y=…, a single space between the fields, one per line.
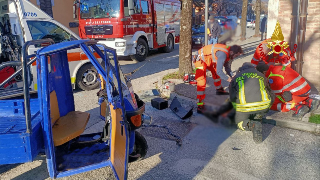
x=259 y=98
x=282 y=78
x=209 y=51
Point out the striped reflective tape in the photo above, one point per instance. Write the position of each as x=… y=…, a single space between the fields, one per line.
x=202 y=56
x=218 y=87
x=280 y=98
x=288 y=85
x=264 y=95
x=199 y=104
x=217 y=80
x=212 y=53
x=278 y=75
x=200 y=92
x=256 y=104
x=200 y=67
x=255 y=59
x=253 y=109
x=299 y=87
x=241 y=92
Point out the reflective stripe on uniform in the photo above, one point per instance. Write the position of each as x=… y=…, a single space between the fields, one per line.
x=287 y=63
x=217 y=80
x=292 y=82
x=200 y=92
x=218 y=87
x=299 y=87
x=241 y=92
x=200 y=67
x=255 y=104
x=255 y=59
x=280 y=98
x=288 y=106
x=212 y=54
x=202 y=56
x=253 y=108
x=278 y=75
x=199 y=104
x=264 y=95
x=279 y=106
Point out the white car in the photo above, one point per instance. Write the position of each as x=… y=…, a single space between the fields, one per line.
x=251 y=23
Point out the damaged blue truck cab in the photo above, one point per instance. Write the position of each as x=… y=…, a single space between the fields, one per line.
x=31 y=121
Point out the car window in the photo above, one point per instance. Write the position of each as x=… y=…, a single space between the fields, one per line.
x=45 y=29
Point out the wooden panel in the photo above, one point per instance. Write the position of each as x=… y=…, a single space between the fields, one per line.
x=69 y=127
x=118 y=143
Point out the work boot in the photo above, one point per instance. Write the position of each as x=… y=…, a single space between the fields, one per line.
x=301 y=110
x=221 y=91
x=256 y=128
x=201 y=109
x=313 y=104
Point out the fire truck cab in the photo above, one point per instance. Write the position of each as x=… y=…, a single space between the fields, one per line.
x=132 y=27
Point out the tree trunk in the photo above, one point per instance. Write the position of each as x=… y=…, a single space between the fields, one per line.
x=258 y=10
x=244 y=19
x=185 y=49
x=46 y=6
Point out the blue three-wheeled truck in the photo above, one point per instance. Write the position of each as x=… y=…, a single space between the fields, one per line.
x=46 y=120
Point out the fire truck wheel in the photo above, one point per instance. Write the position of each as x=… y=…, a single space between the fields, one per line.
x=169 y=47
x=142 y=51
x=87 y=77
x=140 y=148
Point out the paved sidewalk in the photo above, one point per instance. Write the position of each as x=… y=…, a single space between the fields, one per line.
x=273 y=117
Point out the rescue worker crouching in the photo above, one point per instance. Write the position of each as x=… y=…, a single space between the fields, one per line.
x=291 y=90
x=251 y=97
x=213 y=58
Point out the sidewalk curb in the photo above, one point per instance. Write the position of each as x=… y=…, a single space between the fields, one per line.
x=293 y=124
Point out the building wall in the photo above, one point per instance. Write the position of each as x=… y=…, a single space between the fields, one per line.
x=62 y=12
x=281 y=10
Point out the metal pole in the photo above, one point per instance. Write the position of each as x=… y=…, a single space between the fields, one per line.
x=206 y=22
x=302 y=30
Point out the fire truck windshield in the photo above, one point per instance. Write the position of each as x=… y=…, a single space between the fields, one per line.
x=99 y=8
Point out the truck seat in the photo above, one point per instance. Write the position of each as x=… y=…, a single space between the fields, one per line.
x=67 y=127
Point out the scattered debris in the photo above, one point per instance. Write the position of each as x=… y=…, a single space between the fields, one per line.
x=178 y=139
x=159 y=103
x=176 y=107
x=234 y=148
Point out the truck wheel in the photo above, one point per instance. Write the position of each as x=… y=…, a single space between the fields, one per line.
x=87 y=78
x=140 y=148
x=142 y=51
x=170 y=44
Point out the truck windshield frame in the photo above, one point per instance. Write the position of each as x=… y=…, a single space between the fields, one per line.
x=96 y=9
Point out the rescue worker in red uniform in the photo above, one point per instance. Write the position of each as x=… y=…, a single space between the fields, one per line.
x=214 y=58
x=291 y=90
x=272 y=59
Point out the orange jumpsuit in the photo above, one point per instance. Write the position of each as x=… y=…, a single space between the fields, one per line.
x=272 y=58
x=281 y=79
x=207 y=59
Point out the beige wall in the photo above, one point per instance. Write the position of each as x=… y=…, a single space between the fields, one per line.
x=63 y=12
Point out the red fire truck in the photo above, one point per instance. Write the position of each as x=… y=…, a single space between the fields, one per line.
x=132 y=27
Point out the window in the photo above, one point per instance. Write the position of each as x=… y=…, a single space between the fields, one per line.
x=145 y=7
x=44 y=29
x=126 y=8
x=136 y=5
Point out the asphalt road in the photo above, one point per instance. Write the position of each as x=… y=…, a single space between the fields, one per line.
x=209 y=150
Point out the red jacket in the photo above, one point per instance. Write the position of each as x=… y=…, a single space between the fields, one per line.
x=282 y=78
x=272 y=58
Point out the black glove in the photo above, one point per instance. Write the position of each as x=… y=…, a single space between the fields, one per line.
x=287 y=96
